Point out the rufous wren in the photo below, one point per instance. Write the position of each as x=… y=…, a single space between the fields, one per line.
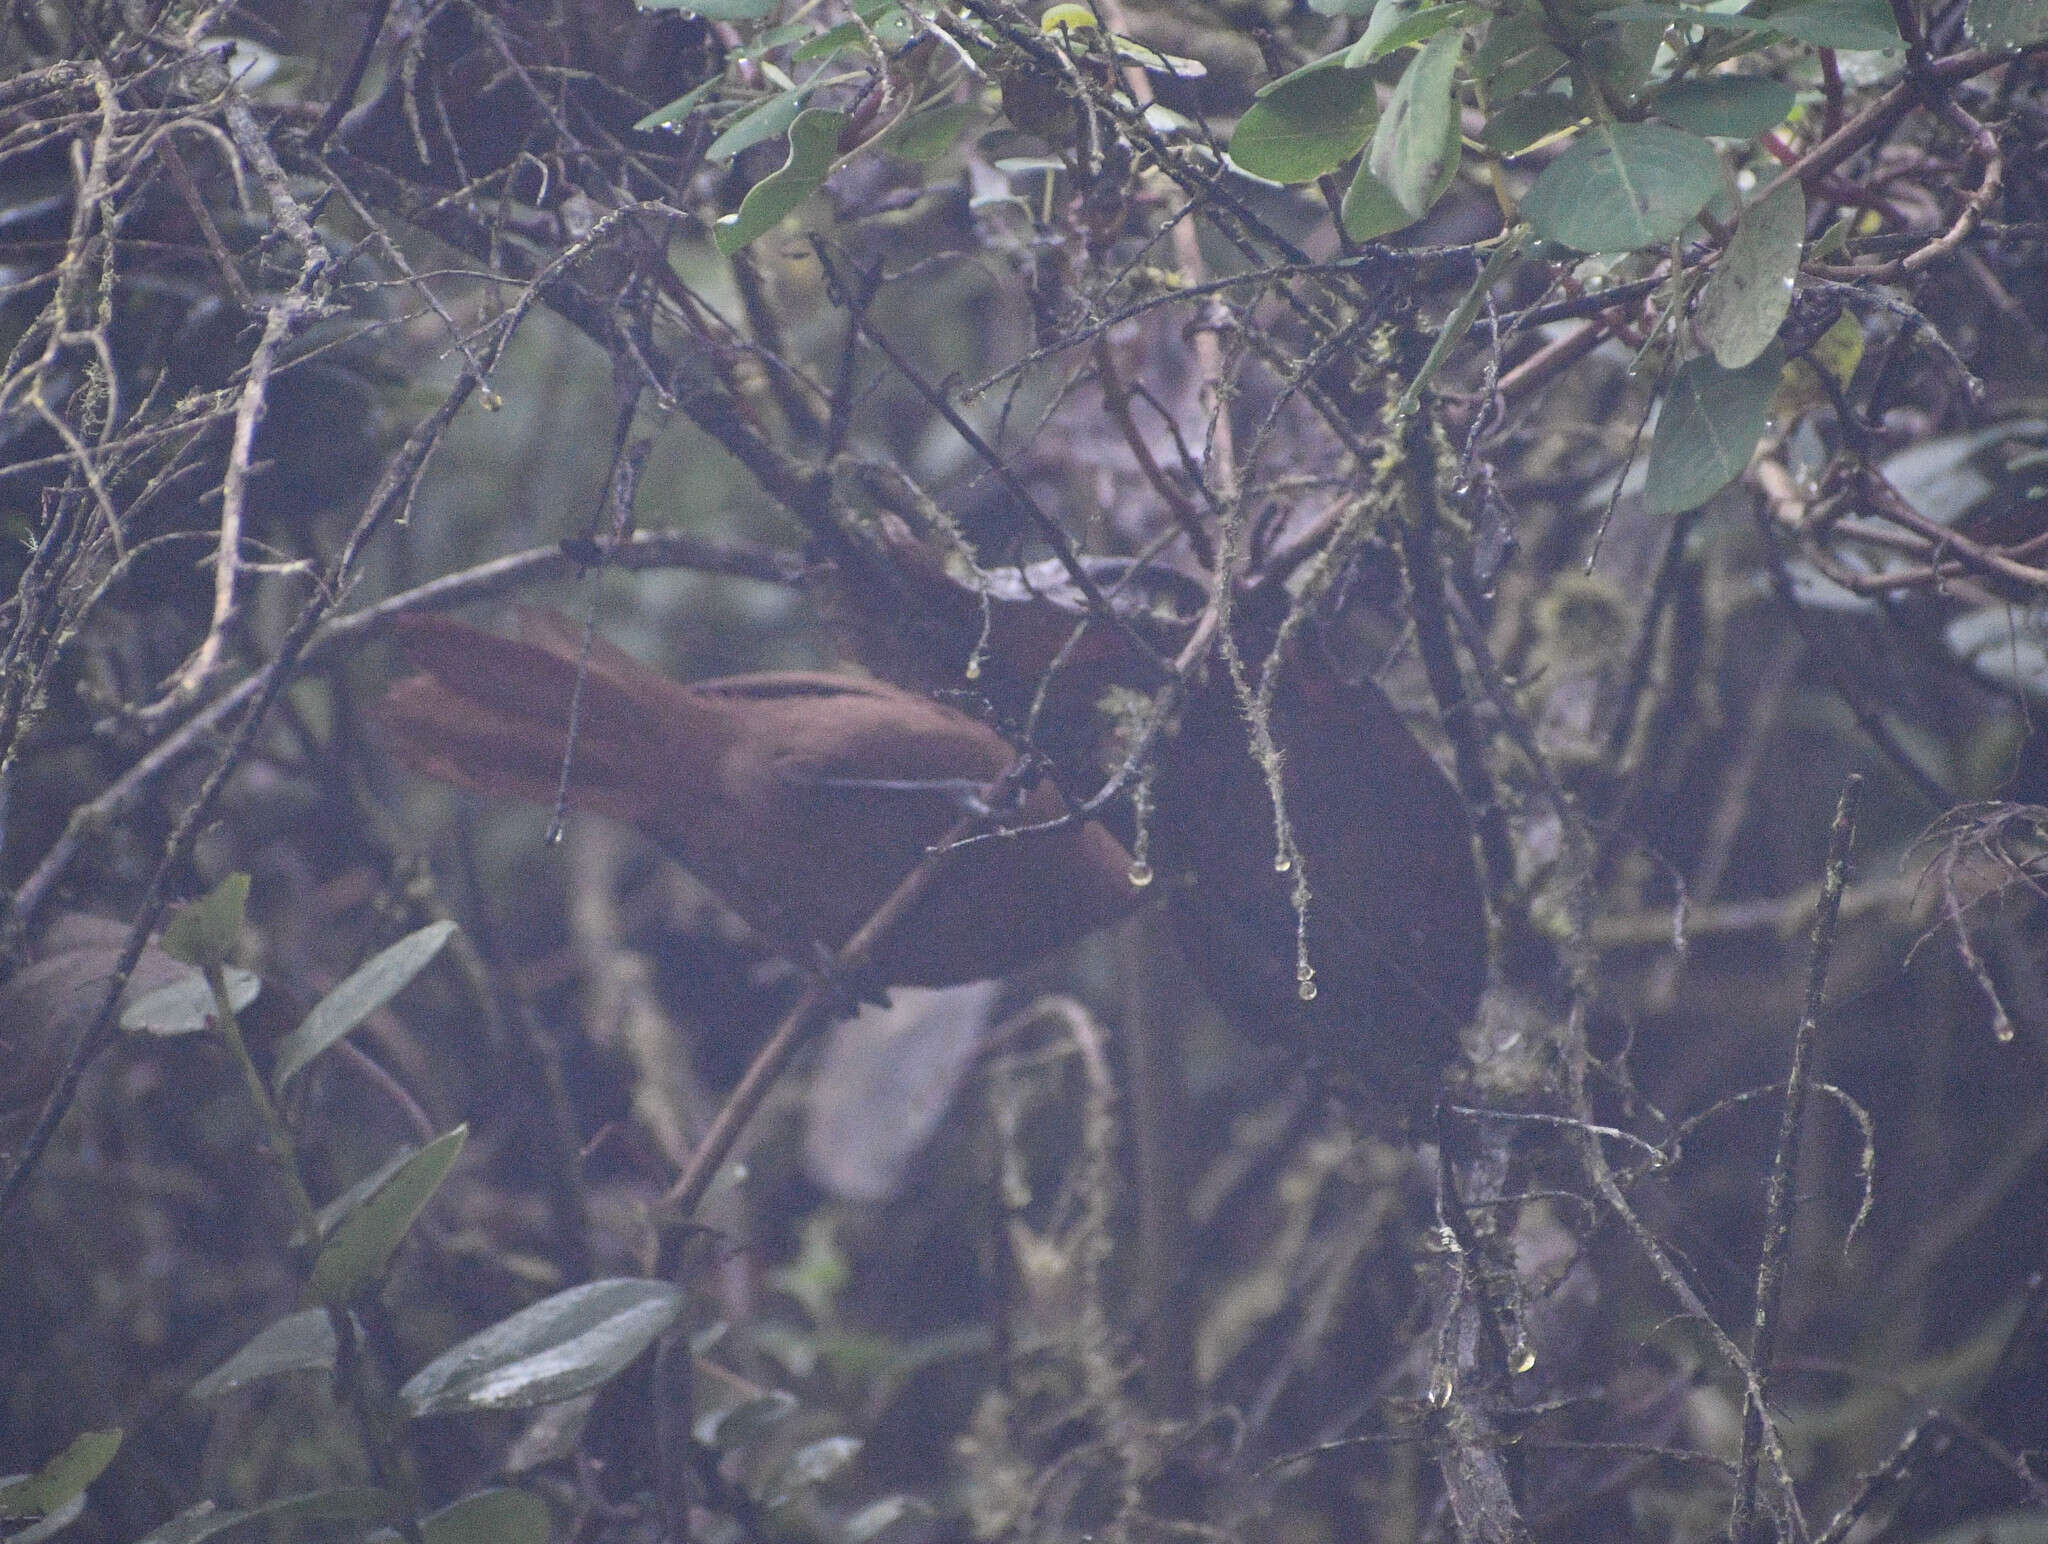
x=800 y=799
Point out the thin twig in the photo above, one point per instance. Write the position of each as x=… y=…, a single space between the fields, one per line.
x=1779 y=1196
x=825 y=994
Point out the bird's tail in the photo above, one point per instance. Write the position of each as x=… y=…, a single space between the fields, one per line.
x=492 y=714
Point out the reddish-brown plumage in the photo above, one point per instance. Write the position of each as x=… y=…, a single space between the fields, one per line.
x=752 y=783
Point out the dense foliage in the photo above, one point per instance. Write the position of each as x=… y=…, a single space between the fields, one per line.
x=1528 y=519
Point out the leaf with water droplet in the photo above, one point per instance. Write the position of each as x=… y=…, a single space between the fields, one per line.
x=1710 y=424
x=1749 y=294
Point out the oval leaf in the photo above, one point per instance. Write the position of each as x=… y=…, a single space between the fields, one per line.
x=63 y=1478
x=490 y=1517
x=1854 y=24
x=563 y=1346
x=360 y=1244
x=204 y=932
x=928 y=135
x=300 y=1342
x=1533 y=116
x=1396 y=25
x=185 y=1007
x=370 y=987
x=1417 y=138
x=765 y=121
x=736 y=1426
x=677 y=112
x=51 y=1525
x=346 y=1504
x=1624 y=185
x=203 y=1521
x=813 y=145
x=1711 y=422
x=1307 y=125
x=1152 y=59
x=714 y=10
x=1370 y=209
x=1999 y=641
x=816 y=1462
x=1732 y=106
x=1749 y=293
x=811 y=1465
x=2007 y=23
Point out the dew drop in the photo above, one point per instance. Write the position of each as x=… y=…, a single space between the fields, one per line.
x=973 y=671
x=1282 y=863
x=492 y=401
x=1306 y=991
x=1304 y=971
x=1521 y=1359
x=1141 y=873
x=2002 y=1030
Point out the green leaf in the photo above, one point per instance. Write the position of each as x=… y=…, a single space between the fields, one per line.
x=2007 y=23
x=299 y=1342
x=1415 y=149
x=811 y=1465
x=499 y=1516
x=372 y=984
x=1621 y=186
x=1852 y=24
x=1944 y=476
x=673 y=115
x=360 y=1243
x=1732 y=106
x=1711 y=422
x=884 y=1521
x=1508 y=37
x=930 y=134
x=1621 y=51
x=893 y=27
x=1309 y=124
x=1370 y=210
x=1329 y=61
x=813 y=145
x=1134 y=52
x=763 y=121
x=1396 y=24
x=563 y=1346
x=1069 y=17
x=1749 y=293
x=347 y=1504
x=1998 y=641
x=62 y=1478
x=51 y=1525
x=1534 y=116
x=185 y=1007
x=1526 y=72
x=714 y=10
x=738 y=1425
x=204 y=932
x=1459 y=322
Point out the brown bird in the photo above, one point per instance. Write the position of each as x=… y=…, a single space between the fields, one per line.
x=800 y=799
x=1397 y=929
